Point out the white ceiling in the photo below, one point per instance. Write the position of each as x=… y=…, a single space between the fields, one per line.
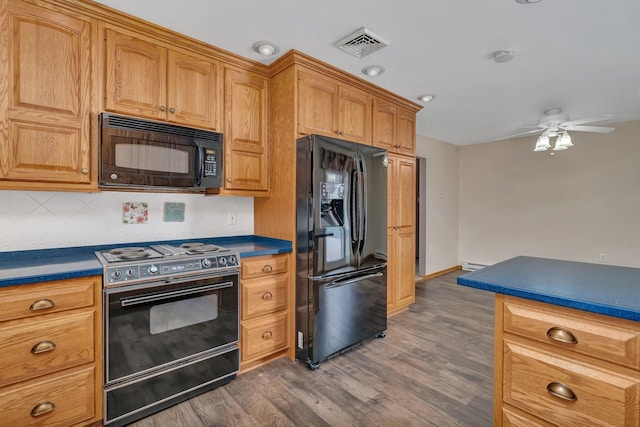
x=579 y=55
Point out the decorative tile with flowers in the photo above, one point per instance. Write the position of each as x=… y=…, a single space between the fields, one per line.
x=135 y=213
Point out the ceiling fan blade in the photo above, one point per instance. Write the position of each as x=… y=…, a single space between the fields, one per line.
x=520 y=134
x=599 y=129
x=589 y=120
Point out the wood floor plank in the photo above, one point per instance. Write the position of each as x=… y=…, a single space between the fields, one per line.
x=434 y=368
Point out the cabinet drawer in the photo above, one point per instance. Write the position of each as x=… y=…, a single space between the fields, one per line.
x=47 y=297
x=264 y=336
x=514 y=418
x=616 y=341
x=264 y=295
x=69 y=395
x=51 y=343
x=603 y=397
x=259 y=266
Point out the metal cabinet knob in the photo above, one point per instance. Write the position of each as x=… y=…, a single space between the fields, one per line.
x=561 y=335
x=42 y=408
x=42 y=304
x=561 y=391
x=228 y=179
x=43 y=347
x=267 y=269
x=172 y=110
x=84 y=170
x=267 y=296
x=267 y=335
x=163 y=108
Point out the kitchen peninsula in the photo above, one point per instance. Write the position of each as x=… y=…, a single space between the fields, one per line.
x=567 y=342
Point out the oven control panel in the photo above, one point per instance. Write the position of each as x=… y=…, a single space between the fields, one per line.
x=166 y=268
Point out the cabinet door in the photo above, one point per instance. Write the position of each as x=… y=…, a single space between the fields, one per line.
x=401 y=232
x=45 y=102
x=406 y=278
x=316 y=105
x=405 y=188
x=136 y=75
x=192 y=90
x=246 y=130
x=384 y=125
x=354 y=115
x=406 y=134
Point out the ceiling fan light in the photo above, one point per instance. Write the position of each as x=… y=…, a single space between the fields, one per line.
x=543 y=143
x=565 y=140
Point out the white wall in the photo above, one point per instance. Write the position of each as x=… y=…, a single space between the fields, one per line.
x=42 y=219
x=573 y=205
x=441 y=233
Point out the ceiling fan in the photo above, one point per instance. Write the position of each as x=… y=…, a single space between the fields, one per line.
x=555 y=123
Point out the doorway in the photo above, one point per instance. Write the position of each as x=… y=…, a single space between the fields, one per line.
x=421 y=216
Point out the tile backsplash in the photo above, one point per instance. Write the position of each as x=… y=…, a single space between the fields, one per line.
x=44 y=219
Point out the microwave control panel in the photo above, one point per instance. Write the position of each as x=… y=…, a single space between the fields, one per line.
x=210 y=163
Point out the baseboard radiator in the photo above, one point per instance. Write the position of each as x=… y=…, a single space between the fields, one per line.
x=472 y=266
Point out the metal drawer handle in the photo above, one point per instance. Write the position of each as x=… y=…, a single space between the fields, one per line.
x=43 y=347
x=267 y=296
x=561 y=335
x=561 y=391
x=42 y=408
x=267 y=269
x=42 y=304
x=267 y=335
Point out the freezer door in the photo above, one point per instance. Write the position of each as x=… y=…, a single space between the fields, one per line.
x=346 y=312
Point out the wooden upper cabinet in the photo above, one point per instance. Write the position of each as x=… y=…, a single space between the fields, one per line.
x=394 y=128
x=144 y=78
x=354 y=115
x=246 y=99
x=192 y=90
x=45 y=98
x=327 y=108
x=406 y=120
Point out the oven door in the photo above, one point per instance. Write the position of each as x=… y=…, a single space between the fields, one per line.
x=152 y=326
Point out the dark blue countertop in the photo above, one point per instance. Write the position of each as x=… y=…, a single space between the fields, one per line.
x=22 y=267
x=603 y=289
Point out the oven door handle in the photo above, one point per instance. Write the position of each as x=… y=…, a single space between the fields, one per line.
x=144 y=299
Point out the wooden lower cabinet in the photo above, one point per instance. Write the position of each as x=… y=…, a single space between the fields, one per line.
x=264 y=323
x=51 y=370
x=564 y=367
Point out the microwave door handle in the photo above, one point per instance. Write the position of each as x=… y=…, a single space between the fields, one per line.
x=200 y=164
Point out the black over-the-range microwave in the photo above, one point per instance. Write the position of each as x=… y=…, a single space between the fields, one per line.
x=147 y=155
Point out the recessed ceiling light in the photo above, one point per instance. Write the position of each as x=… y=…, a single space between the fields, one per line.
x=266 y=48
x=427 y=97
x=527 y=1
x=373 y=70
x=503 y=55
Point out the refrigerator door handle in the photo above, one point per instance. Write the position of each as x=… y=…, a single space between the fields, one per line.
x=353 y=211
x=343 y=282
x=363 y=204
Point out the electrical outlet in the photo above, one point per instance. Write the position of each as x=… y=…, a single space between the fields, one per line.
x=603 y=258
x=232 y=218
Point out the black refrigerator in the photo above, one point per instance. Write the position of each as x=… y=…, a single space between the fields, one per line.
x=341 y=253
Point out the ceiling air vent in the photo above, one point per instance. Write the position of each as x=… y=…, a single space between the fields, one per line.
x=361 y=43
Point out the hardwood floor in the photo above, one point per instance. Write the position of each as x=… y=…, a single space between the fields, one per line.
x=434 y=368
